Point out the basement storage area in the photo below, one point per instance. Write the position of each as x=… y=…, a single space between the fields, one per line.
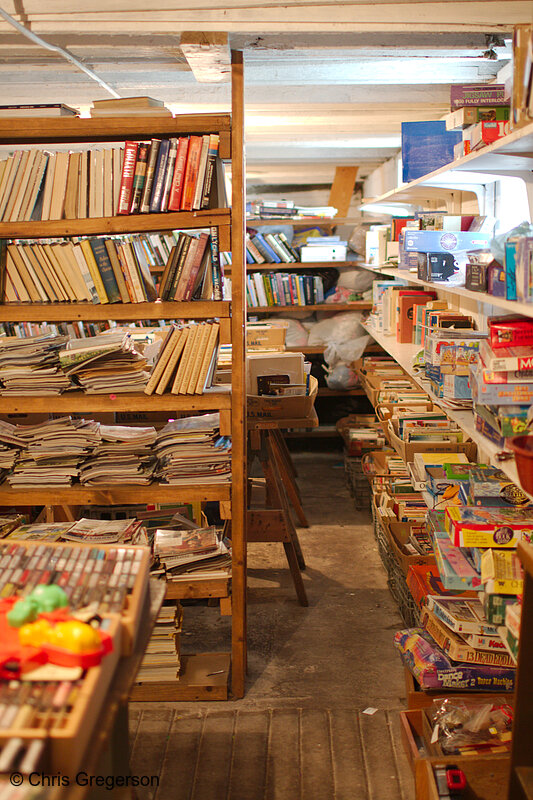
x=266 y=346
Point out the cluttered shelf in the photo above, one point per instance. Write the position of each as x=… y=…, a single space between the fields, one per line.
x=514 y=306
x=403 y=354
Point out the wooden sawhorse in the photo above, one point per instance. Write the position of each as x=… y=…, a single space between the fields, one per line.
x=274 y=523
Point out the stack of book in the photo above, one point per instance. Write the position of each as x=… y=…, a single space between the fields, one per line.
x=104 y=364
x=187 y=359
x=161 y=660
x=283 y=289
x=481 y=112
x=200 y=551
x=137 y=177
x=53 y=452
x=269 y=247
x=129 y=107
x=31 y=366
x=98 y=269
x=191 y=451
x=124 y=455
x=192 y=269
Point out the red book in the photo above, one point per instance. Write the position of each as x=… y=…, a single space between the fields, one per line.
x=126 y=181
x=195 y=266
x=407 y=299
x=176 y=190
x=183 y=280
x=191 y=172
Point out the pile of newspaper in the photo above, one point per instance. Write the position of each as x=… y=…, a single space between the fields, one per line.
x=53 y=451
x=104 y=364
x=191 y=451
x=31 y=366
x=124 y=455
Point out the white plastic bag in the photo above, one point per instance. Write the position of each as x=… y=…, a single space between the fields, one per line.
x=345 y=352
x=341 y=378
x=296 y=335
x=357 y=280
x=341 y=328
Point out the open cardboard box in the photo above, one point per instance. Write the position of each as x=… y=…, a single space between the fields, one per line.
x=399 y=534
x=266 y=335
x=270 y=407
x=407 y=450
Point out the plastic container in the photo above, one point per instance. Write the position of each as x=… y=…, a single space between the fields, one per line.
x=522 y=447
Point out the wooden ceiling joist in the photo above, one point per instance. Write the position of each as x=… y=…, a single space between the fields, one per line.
x=208 y=55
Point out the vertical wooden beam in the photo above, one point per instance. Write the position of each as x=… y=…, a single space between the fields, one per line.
x=341 y=192
x=238 y=338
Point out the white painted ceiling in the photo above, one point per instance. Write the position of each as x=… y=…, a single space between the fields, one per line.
x=326 y=83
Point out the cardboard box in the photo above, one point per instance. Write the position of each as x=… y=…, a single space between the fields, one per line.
x=444 y=241
x=267 y=407
x=266 y=335
x=471 y=115
x=407 y=450
x=399 y=534
x=484 y=133
x=257 y=363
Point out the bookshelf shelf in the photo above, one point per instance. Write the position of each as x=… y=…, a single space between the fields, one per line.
x=288 y=266
x=300 y=222
x=60 y=312
x=114 y=495
x=513 y=154
x=79 y=402
x=355 y=306
x=127 y=223
x=404 y=354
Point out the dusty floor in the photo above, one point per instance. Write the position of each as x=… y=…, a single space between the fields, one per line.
x=301 y=732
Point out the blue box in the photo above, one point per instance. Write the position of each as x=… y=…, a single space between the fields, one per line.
x=426 y=146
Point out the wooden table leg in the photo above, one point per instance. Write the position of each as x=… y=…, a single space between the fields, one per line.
x=278 y=444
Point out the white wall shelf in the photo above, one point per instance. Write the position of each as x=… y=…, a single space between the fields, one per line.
x=404 y=355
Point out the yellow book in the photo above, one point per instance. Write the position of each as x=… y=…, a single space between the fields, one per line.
x=68 y=284
x=196 y=362
x=35 y=294
x=50 y=271
x=93 y=269
x=185 y=358
x=10 y=294
x=167 y=347
x=34 y=183
x=204 y=369
x=71 y=190
x=14 y=275
x=108 y=182
x=24 y=186
x=17 y=183
x=175 y=355
x=57 y=202
x=32 y=262
x=81 y=205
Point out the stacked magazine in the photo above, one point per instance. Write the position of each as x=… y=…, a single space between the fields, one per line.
x=31 y=366
x=53 y=452
x=105 y=363
x=124 y=455
x=191 y=451
x=198 y=551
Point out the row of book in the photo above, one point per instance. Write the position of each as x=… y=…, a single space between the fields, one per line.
x=273 y=248
x=266 y=209
x=283 y=289
x=177 y=174
x=111 y=269
x=187 y=359
x=63 y=451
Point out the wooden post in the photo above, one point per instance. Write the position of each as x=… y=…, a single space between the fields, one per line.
x=238 y=338
x=342 y=188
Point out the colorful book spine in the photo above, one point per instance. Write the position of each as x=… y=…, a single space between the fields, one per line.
x=128 y=172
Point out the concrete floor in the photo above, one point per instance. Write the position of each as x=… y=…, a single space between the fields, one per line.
x=301 y=732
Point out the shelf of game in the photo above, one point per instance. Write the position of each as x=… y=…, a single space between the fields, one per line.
x=216 y=398
x=357 y=305
x=511 y=154
x=115 y=495
x=481 y=297
x=69 y=312
x=404 y=354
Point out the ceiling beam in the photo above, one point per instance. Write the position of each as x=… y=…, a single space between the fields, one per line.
x=208 y=55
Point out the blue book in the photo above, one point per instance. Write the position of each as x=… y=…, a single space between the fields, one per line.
x=510 y=270
x=265 y=249
x=426 y=146
x=159 y=176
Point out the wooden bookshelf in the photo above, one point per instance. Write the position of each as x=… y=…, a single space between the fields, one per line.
x=71 y=133
x=98 y=312
x=78 y=402
x=358 y=305
x=288 y=266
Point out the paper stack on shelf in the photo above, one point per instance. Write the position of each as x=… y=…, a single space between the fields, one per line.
x=199 y=551
x=53 y=452
x=102 y=531
x=191 y=451
x=105 y=364
x=124 y=455
x=31 y=366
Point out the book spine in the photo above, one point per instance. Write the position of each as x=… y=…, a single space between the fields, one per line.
x=159 y=177
x=126 y=181
x=139 y=178
x=105 y=269
x=212 y=155
x=93 y=269
x=265 y=249
x=191 y=172
x=200 y=178
x=117 y=271
x=215 y=265
x=169 y=175
x=176 y=189
x=197 y=262
x=175 y=282
x=149 y=177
